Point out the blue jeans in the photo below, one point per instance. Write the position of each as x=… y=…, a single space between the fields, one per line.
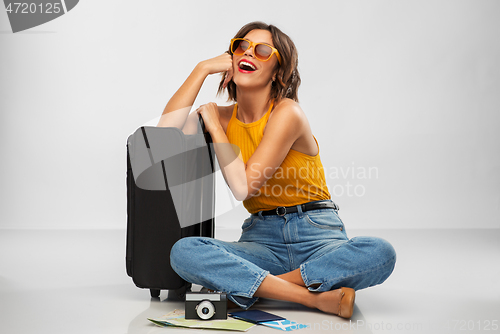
x=314 y=241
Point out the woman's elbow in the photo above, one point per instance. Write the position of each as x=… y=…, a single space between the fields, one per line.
x=241 y=193
x=245 y=194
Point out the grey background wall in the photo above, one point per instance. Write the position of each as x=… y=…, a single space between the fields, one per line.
x=403 y=97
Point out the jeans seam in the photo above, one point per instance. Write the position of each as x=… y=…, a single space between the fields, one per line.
x=303 y=274
x=306 y=280
x=291 y=262
x=257 y=283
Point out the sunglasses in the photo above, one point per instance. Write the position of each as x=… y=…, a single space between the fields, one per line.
x=262 y=51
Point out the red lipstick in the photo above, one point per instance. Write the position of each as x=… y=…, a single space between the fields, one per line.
x=246 y=66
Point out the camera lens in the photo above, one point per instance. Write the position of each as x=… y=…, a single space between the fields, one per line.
x=205 y=310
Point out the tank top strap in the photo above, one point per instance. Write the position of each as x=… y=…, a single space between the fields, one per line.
x=235 y=109
x=269 y=112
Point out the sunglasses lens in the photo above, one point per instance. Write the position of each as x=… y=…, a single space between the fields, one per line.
x=239 y=46
x=263 y=52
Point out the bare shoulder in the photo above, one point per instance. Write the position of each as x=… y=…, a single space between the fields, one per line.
x=290 y=110
x=289 y=114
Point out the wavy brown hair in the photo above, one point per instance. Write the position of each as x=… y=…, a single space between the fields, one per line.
x=287 y=80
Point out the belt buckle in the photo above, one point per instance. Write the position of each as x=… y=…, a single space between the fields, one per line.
x=278 y=211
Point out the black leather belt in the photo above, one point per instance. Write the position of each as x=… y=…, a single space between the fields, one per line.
x=283 y=210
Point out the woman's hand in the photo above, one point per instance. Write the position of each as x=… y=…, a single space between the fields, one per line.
x=219 y=64
x=210 y=114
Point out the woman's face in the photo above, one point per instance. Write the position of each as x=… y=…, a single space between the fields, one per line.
x=264 y=70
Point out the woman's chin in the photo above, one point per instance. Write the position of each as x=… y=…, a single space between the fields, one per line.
x=248 y=83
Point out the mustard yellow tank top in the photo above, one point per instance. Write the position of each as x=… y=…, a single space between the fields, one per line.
x=299 y=179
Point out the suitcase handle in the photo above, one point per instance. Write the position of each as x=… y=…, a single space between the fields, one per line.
x=202 y=124
x=208 y=140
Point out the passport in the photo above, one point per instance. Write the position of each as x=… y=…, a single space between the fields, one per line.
x=256 y=316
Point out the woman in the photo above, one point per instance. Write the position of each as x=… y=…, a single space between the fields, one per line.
x=294 y=246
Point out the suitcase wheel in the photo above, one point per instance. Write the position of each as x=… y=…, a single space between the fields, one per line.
x=154 y=293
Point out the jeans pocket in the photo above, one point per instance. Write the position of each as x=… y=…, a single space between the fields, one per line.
x=248 y=224
x=325 y=219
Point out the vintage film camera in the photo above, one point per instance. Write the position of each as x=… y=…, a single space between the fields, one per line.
x=206 y=305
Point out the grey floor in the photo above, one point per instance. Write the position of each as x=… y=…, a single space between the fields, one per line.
x=53 y=281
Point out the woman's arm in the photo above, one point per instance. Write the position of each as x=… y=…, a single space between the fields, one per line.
x=178 y=107
x=287 y=124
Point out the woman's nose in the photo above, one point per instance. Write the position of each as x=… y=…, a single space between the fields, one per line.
x=249 y=52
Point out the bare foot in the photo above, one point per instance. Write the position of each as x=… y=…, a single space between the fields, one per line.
x=329 y=301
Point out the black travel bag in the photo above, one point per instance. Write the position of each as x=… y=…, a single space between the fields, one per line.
x=170 y=195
